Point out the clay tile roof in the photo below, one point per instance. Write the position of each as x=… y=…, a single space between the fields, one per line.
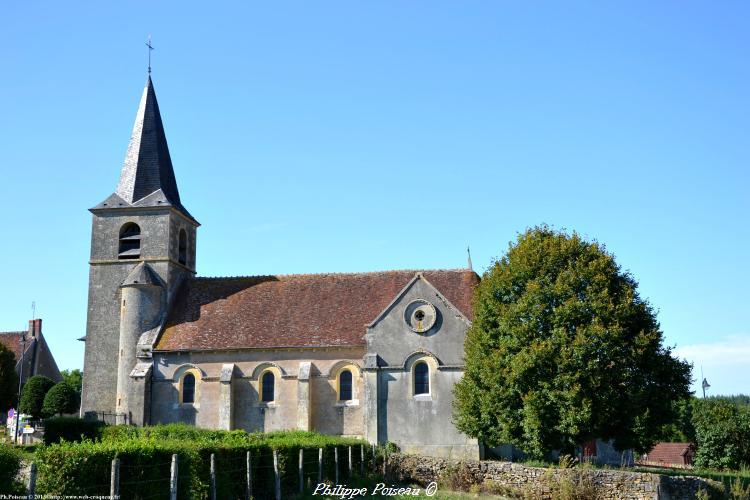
x=306 y=310
x=12 y=340
x=670 y=453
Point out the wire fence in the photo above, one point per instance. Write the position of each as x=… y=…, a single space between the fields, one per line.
x=263 y=473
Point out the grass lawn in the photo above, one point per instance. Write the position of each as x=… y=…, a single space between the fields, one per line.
x=726 y=477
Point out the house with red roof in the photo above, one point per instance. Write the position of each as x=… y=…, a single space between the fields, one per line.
x=32 y=353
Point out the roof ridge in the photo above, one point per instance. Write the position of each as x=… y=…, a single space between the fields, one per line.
x=333 y=273
x=19 y=332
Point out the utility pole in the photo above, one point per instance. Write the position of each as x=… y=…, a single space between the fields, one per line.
x=20 y=384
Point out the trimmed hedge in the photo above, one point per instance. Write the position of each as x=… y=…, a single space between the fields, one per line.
x=145 y=456
x=71 y=429
x=10 y=464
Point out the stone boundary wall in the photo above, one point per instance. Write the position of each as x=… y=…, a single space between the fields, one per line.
x=542 y=483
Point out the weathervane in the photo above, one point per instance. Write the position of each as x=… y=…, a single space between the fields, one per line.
x=150 y=48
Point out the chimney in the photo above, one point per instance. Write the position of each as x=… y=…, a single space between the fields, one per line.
x=35 y=327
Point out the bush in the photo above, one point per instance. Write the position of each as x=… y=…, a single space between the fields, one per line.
x=458 y=477
x=179 y=432
x=62 y=398
x=10 y=464
x=33 y=393
x=722 y=432
x=575 y=485
x=71 y=429
x=145 y=455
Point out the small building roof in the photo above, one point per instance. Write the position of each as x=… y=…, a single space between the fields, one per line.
x=670 y=453
x=304 y=310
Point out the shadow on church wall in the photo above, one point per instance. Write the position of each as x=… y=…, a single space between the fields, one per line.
x=327 y=418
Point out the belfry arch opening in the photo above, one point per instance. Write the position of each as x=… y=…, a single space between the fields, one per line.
x=130 y=241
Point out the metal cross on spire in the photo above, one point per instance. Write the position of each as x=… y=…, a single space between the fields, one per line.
x=150 y=48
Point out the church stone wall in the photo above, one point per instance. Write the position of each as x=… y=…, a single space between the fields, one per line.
x=327 y=415
x=333 y=417
x=423 y=425
x=416 y=423
x=105 y=277
x=102 y=337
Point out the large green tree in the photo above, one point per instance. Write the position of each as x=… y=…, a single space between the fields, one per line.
x=74 y=378
x=62 y=398
x=8 y=379
x=32 y=395
x=562 y=349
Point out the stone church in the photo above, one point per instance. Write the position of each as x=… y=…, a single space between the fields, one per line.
x=374 y=355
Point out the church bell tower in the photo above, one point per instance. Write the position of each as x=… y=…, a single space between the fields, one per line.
x=142 y=247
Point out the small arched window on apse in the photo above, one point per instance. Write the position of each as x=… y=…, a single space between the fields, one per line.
x=182 y=248
x=421 y=378
x=188 y=388
x=130 y=241
x=267 y=382
x=345 y=386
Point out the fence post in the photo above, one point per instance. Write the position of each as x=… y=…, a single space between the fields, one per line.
x=249 y=477
x=276 y=473
x=173 y=479
x=31 y=490
x=114 y=480
x=320 y=465
x=350 y=462
x=362 y=460
x=301 y=473
x=213 y=476
x=336 y=462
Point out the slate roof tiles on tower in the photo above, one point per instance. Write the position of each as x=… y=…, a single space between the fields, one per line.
x=147 y=177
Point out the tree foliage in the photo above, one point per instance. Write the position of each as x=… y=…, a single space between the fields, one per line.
x=62 y=398
x=722 y=434
x=562 y=349
x=8 y=379
x=681 y=429
x=32 y=395
x=736 y=399
x=74 y=378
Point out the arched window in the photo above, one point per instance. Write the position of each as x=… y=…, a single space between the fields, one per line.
x=182 y=248
x=421 y=378
x=267 y=383
x=130 y=241
x=345 y=386
x=188 y=388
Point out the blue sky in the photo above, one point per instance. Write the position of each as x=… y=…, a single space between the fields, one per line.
x=358 y=136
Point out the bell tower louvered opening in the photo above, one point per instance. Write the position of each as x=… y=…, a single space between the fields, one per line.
x=130 y=241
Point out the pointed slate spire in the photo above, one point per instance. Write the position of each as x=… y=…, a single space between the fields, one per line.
x=147 y=177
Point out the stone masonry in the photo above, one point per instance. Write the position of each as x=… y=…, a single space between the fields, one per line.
x=610 y=484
